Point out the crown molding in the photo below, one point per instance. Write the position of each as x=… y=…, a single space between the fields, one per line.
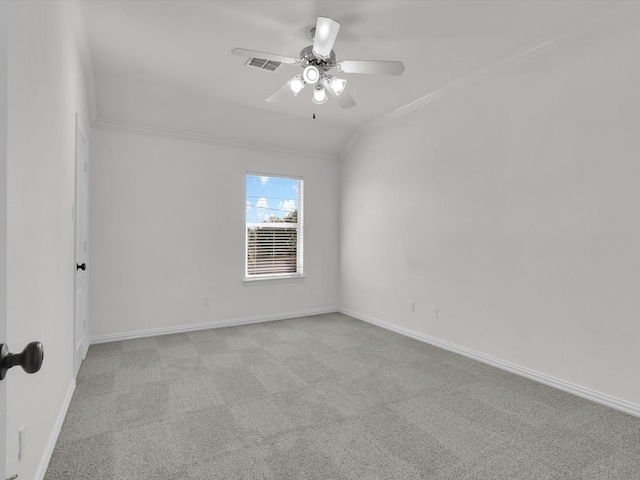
x=202 y=138
x=607 y=14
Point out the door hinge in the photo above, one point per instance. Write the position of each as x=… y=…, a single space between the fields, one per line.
x=86 y=167
x=85 y=245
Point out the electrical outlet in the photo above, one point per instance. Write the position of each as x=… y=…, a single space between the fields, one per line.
x=206 y=300
x=412 y=306
x=434 y=312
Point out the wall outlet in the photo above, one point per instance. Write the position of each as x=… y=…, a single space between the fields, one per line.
x=206 y=300
x=412 y=306
x=434 y=312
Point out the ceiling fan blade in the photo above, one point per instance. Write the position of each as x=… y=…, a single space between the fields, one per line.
x=370 y=66
x=279 y=94
x=243 y=52
x=344 y=99
x=325 y=36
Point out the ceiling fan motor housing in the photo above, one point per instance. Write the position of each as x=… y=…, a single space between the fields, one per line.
x=307 y=57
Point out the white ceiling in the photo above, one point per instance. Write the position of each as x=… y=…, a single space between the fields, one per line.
x=167 y=64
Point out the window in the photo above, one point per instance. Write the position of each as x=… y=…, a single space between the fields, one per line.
x=273 y=226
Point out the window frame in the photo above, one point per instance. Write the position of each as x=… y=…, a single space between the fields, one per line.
x=255 y=279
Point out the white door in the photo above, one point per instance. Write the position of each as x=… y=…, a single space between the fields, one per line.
x=82 y=249
x=4 y=12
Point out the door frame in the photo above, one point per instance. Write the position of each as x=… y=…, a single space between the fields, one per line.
x=80 y=214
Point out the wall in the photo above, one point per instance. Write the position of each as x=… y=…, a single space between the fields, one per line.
x=167 y=228
x=45 y=91
x=151 y=104
x=511 y=203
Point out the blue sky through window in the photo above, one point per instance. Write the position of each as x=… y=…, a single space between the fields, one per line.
x=270 y=196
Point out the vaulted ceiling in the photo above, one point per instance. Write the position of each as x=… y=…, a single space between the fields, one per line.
x=167 y=65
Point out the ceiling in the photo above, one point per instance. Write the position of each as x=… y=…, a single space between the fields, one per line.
x=167 y=64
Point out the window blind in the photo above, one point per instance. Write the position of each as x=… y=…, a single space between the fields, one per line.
x=273 y=226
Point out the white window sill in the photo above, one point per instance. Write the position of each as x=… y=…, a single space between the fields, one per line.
x=270 y=280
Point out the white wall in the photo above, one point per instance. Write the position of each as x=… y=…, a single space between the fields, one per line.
x=167 y=228
x=151 y=104
x=45 y=90
x=512 y=204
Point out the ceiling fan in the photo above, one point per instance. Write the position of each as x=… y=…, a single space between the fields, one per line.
x=317 y=61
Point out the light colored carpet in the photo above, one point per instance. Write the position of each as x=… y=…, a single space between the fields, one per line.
x=326 y=397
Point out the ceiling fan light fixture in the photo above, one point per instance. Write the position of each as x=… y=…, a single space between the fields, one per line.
x=316 y=60
x=337 y=85
x=311 y=74
x=296 y=84
x=319 y=95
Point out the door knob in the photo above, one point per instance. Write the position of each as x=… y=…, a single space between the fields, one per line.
x=30 y=359
x=81 y=267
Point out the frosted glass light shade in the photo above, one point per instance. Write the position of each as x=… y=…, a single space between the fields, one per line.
x=319 y=95
x=296 y=84
x=337 y=85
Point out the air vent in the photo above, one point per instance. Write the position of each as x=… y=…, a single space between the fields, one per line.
x=263 y=64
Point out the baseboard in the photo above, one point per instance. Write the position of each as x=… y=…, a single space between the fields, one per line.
x=55 y=433
x=558 y=383
x=115 y=337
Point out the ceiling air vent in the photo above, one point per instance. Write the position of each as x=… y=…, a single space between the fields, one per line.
x=263 y=64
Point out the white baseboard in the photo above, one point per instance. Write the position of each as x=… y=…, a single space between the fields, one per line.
x=55 y=433
x=558 y=383
x=205 y=326
x=589 y=394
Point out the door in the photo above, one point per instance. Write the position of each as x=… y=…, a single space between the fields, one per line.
x=81 y=249
x=4 y=12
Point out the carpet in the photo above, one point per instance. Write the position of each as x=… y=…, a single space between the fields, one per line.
x=326 y=397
